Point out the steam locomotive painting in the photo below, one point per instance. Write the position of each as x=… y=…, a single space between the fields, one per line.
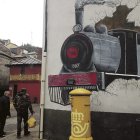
x=96 y=57
x=97 y=49
x=115 y=52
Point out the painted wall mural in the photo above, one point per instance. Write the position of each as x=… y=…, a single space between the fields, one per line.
x=104 y=38
x=94 y=44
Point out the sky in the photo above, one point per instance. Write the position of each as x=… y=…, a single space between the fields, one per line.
x=22 y=21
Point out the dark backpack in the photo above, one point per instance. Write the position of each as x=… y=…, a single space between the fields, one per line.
x=22 y=103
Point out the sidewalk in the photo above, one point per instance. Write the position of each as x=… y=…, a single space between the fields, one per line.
x=11 y=126
x=34 y=135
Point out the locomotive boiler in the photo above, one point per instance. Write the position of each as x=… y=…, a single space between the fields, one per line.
x=91 y=51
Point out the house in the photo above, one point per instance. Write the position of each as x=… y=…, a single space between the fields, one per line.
x=26 y=73
x=10 y=45
x=32 y=54
x=5 y=41
x=5 y=57
x=15 y=50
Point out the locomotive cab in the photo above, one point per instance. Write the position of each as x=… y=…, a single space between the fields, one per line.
x=130 y=49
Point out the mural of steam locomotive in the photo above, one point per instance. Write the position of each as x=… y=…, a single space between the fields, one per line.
x=84 y=55
x=96 y=49
x=90 y=57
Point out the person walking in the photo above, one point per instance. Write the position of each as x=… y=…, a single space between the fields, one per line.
x=22 y=104
x=4 y=111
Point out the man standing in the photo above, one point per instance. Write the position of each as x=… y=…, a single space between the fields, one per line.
x=4 y=111
x=22 y=104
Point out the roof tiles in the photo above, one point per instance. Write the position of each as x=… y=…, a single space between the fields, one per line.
x=27 y=61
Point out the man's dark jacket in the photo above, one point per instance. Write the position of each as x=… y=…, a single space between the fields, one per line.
x=5 y=105
x=21 y=109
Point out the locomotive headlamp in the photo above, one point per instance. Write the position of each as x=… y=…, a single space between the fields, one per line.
x=77 y=28
x=72 y=52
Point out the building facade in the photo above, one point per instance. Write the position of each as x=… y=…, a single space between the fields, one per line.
x=5 y=57
x=25 y=73
x=98 y=40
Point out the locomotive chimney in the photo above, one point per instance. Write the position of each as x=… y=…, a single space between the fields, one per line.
x=79 y=9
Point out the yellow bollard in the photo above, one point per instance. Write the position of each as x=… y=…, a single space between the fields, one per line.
x=80 y=115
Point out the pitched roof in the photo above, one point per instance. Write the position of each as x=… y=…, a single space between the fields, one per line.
x=27 y=61
x=5 y=50
x=2 y=54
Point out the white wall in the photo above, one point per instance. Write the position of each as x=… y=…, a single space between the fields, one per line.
x=120 y=96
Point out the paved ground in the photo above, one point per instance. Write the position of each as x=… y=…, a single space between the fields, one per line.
x=10 y=127
x=34 y=135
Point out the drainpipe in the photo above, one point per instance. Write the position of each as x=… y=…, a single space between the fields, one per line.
x=43 y=73
x=43 y=84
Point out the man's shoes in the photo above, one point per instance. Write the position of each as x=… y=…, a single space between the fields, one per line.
x=27 y=133
x=1 y=136
x=18 y=136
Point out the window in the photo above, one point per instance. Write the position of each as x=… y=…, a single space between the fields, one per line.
x=138 y=39
x=22 y=71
